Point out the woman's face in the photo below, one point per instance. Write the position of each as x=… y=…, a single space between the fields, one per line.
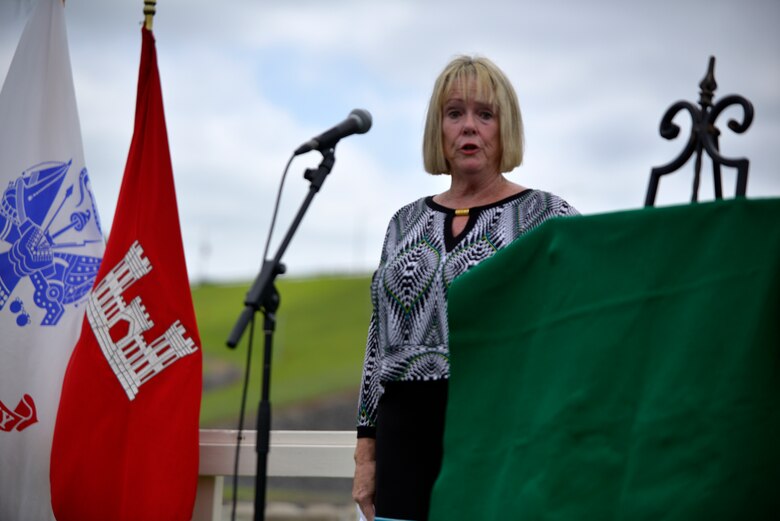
x=470 y=133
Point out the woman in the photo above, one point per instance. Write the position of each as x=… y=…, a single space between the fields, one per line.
x=474 y=134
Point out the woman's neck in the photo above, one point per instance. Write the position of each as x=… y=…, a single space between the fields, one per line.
x=471 y=192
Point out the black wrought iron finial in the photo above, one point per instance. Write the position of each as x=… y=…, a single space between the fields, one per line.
x=708 y=85
x=704 y=137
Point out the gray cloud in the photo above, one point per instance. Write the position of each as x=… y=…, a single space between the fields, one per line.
x=245 y=82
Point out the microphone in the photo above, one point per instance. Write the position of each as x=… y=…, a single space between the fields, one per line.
x=358 y=122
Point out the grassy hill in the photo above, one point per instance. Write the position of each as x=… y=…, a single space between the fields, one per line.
x=318 y=345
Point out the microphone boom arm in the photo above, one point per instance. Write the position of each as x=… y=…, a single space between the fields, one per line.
x=257 y=297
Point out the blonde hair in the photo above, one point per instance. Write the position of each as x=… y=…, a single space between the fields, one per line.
x=492 y=87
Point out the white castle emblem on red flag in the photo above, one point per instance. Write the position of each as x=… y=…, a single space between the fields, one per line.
x=133 y=361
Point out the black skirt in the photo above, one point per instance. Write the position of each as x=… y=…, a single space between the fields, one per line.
x=409 y=440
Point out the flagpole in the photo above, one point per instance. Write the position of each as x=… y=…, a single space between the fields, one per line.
x=150 y=8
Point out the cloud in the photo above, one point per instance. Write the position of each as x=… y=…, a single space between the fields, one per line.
x=245 y=82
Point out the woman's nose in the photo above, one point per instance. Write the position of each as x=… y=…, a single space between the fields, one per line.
x=468 y=123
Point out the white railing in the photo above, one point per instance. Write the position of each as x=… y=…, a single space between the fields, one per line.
x=325 y=454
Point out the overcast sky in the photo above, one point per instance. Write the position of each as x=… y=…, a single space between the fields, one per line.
x=247 y=81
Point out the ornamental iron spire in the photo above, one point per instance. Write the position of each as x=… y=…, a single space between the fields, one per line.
x=704 y=136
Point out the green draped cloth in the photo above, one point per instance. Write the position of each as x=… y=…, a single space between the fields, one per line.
x=623 y=366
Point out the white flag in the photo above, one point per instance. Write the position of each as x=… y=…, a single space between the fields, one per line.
x=51 y=245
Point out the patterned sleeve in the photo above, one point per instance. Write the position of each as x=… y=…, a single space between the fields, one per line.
x=565 y=208
x=541 y=207
x=370 y=386
x=558 y=207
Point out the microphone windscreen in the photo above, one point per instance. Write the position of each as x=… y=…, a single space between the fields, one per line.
x=363 y=118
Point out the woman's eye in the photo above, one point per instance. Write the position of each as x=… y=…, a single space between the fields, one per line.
x=486 y=114
x=453 y=113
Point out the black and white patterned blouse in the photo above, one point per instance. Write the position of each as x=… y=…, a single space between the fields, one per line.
x=408 y=333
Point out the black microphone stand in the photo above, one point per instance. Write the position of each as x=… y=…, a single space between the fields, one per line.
x=263 y=296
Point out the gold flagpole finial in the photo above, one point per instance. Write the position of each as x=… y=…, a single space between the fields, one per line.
x=149 y=10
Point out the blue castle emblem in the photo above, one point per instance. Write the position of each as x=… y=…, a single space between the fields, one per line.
x=45 y=224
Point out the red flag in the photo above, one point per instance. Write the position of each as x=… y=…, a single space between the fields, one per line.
x=126 y=440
